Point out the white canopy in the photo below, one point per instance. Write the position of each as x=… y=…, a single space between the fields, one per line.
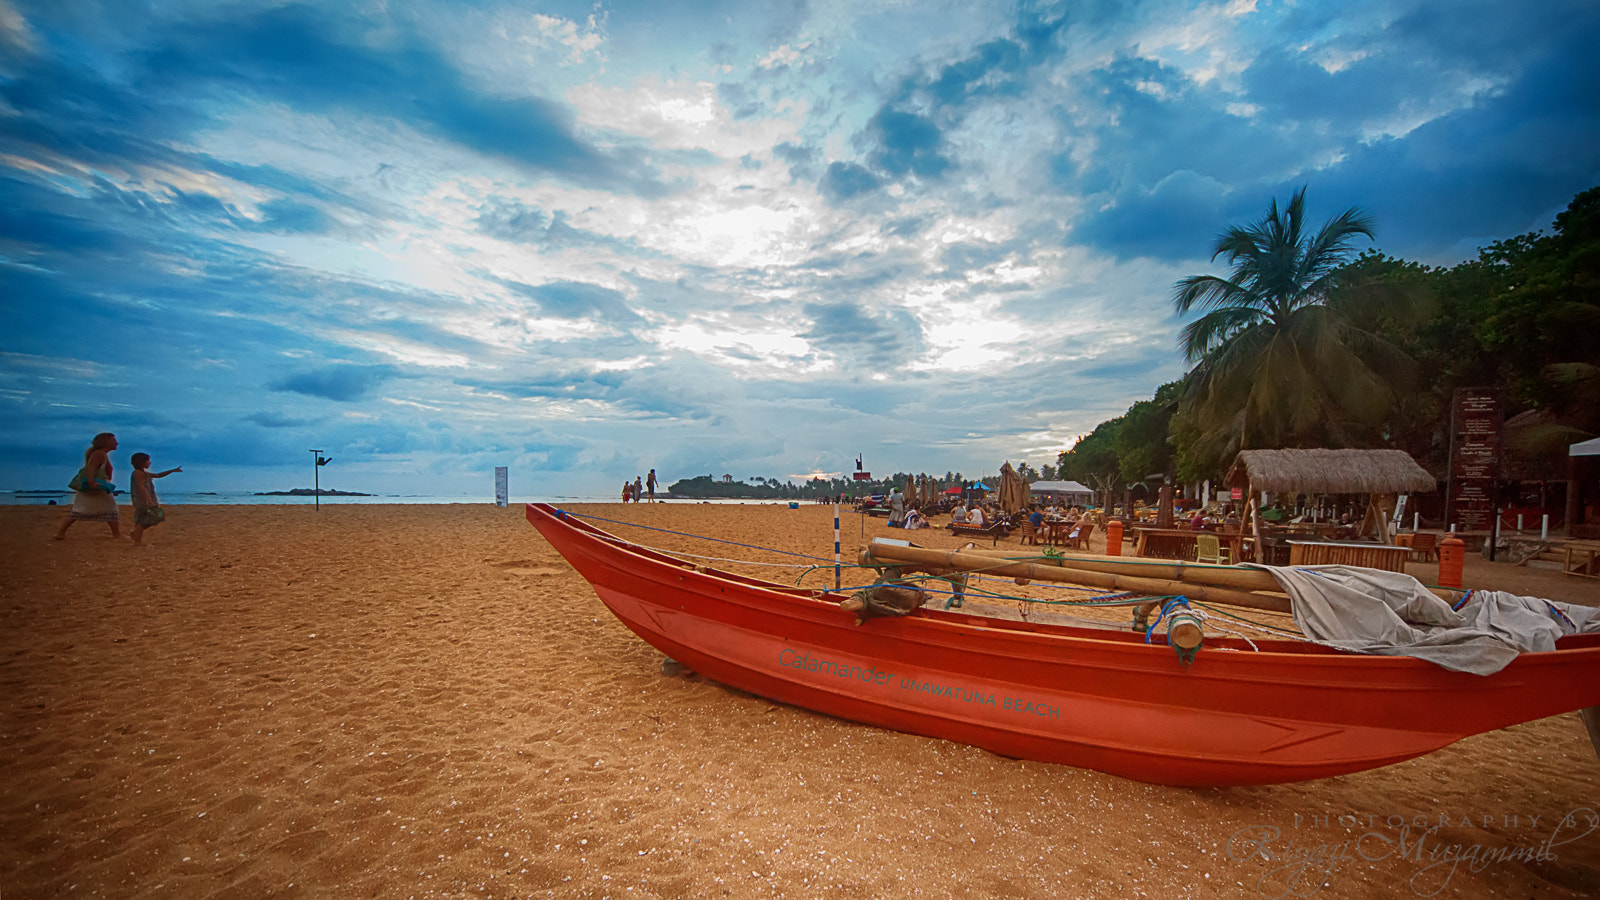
x=1586 y=448
x=1060 y=487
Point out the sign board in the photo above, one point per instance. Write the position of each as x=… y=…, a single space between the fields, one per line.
x=863 y=476
x=1236 y=494
x=1474 y=458
x=502 y=486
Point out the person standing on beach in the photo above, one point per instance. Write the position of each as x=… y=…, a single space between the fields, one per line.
x=638 y=488
x=897 y=508
x=627 y=491
x=650 y=485
x=92 y=497
x=147 y=511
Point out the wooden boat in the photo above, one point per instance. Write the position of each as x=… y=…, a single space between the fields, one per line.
x=1107 y=700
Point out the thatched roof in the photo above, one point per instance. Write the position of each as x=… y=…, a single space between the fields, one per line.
x=1330 y=471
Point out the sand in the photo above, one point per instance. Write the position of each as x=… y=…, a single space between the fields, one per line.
x=399 y=701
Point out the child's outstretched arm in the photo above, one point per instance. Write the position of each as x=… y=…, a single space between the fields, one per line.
x=166 y=473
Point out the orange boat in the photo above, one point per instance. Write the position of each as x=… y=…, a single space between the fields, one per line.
x=1098 y=699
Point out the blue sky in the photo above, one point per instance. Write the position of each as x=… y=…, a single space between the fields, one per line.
x=584 y=240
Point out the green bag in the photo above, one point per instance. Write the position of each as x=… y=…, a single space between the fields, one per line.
x=153 y=515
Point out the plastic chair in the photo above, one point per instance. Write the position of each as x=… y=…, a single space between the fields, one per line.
x=1208 y=549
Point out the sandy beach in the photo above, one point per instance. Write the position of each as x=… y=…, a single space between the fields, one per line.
x=426 y=701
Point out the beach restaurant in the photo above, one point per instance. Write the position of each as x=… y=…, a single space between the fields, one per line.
x=1061 y=493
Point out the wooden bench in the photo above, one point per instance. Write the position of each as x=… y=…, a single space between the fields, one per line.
x=1329 y=553
x=1582 y=559
x=995 y=531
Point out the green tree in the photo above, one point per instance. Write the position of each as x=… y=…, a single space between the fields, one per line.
x=1143 y=446
x=1283 y=353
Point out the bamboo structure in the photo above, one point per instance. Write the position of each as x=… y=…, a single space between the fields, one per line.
x=1242 y=578
x=944 y=562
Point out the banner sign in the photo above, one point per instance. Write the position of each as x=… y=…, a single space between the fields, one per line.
x=502 y=486
x=1474 y=458
x=863 y=476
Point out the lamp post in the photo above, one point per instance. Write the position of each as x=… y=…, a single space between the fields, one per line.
x=318 y=461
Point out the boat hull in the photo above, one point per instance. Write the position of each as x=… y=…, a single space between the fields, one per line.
x=1080 y=697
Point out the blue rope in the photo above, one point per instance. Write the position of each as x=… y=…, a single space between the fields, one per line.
x=1558 y=614
x=1166 y=607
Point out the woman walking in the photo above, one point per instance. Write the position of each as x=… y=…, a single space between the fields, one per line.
x=92 y=497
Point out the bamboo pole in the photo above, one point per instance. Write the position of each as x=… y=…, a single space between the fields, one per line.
x=1176 y=570
x=1170 y=570
x=944 y=561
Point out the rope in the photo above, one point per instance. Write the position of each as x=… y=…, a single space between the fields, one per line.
x=1209 y=618
x=1166 y=607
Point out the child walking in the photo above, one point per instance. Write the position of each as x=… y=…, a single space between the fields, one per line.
x=147 y=511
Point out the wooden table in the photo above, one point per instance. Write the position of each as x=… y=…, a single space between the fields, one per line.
x=1056 y=532
x=1339 y=553
x=1179 y=543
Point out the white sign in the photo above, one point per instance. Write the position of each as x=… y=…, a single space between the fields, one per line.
x=502 y=486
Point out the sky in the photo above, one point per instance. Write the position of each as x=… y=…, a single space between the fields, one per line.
x=584 y=240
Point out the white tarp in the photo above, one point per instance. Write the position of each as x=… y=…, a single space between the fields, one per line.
x=1585 y=448
x=1392 y=614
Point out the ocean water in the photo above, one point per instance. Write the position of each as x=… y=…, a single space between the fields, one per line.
x=228 y=498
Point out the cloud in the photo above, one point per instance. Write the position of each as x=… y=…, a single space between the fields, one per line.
x=340 y=383
x=578 y=300
x=845 y=180
x=882 y=343
x=1177 y=218
x=276 y=420
x=908 y=144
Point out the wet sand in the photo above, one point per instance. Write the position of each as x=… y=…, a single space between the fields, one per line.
x=397 y=701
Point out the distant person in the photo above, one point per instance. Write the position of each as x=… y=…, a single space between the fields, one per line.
x=627 y=491
x=638 y=488
x=1036 y=518
x=92 y=497
x=147 y=511
x=959 y=516
x=650 y=485
x=897 y=508
x=975 y=516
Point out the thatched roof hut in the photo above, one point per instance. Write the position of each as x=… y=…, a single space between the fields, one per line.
x=1380 y=474
x=1329 y=472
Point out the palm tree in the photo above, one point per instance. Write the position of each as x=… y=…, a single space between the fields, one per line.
x=1280 y=355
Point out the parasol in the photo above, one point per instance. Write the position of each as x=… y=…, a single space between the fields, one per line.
x=1013 y=491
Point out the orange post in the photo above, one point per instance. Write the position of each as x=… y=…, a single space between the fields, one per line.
x=1452 y=557
x=1114 y=537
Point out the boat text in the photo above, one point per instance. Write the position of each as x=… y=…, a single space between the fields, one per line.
x=808 y=663
x=805 y=662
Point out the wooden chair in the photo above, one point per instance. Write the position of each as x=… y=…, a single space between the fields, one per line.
x=1078 y=538
x=1423 y=545
x=1027 y=534
x=1208 y=549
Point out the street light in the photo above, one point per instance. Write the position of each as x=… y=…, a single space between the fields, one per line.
x=316 y=471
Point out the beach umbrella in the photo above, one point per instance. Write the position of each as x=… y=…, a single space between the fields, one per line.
x=1013 y=491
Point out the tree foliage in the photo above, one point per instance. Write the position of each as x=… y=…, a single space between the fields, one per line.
x=1304 y=346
